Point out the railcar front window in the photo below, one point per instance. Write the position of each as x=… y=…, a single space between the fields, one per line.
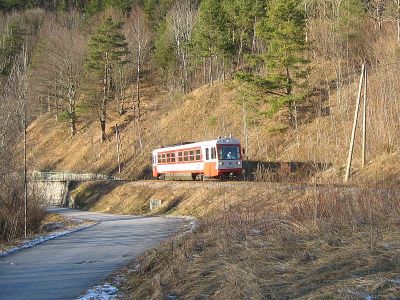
x=229 y=152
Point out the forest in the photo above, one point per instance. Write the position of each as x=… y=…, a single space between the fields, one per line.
x=292 y=61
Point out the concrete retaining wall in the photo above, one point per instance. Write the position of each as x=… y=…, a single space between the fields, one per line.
x=51 y=192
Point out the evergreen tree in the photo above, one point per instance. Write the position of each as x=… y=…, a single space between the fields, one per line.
x=107 y=47
x=124 y=5
x=284 y=33
x=164 y=50
x=351 y=14
x=350 y=28
x=12 y=4
x=157 y=10
x=244 y=15
x=211 y=36
x=95 y=6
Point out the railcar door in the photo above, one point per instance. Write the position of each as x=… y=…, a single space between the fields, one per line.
x=210 y=165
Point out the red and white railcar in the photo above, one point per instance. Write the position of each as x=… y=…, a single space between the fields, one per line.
x=221 y=158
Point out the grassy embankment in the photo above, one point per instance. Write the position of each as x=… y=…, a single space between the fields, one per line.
x=252 y=241
x=320 y=244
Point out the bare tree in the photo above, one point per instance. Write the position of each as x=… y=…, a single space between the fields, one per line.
x=60 y=64
x=139 y=38
x=181 y=19
x=121 y=83
x=13 y=122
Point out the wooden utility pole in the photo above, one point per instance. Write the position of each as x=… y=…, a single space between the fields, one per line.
x=23 y=96
x=246 y=138
x=118 y=147
x=25 y=174
x=364 y=126
x=353 y=134
x=398 y=20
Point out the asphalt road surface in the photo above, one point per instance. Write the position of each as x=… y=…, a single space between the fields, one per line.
x=66 y=267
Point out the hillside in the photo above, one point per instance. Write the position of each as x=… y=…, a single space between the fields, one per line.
x=203 y=114
x=282 y=76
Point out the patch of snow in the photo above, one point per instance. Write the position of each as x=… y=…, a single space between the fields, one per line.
x=191 y=226
x=100 y=292
x=256 y=232
x=390 y=246
x=361 y=295
x=41 y=239
x=395 y=281
x=53 y=226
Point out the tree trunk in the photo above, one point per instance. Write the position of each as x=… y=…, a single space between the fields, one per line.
x=223 y=69
x=121 y=108
x=289 y=81
x=253 y=45
x=205 y=70
x=240 y=48
x=48 y=104
x=56 y=105
x=103 y=128
x=185 y=72
x=103 y=108
x=72 y=118
x=138 y=88
x=211 y=70
x=137 y=113
x=292 y=110
x=72 y=113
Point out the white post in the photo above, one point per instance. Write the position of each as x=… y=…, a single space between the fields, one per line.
x=353 y=134
x=364 y=127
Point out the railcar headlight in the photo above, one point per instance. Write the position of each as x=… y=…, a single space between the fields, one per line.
x=239 y=162
x=221 y=163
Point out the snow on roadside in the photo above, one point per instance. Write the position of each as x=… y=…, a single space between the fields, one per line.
x=43 y=238
x=100 y=292
x=192 y=222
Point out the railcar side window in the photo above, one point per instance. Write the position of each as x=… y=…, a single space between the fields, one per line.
x=172 y=157
x=159 y=158
x=180 y=156
x=186 y=156
x=207 y=154
x=168 y=157
x=163 y=158
x=191 y=155
x=213 y=153
x=198 y=155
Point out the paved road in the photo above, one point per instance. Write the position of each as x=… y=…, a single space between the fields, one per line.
x=66 y=267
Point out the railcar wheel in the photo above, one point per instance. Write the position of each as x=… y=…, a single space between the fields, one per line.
x=199 y=177
x=224 y=177
x=161 y=177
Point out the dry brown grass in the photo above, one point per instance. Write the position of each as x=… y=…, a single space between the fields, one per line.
x=207 y=113
x=197 y=199
x=331 y=245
